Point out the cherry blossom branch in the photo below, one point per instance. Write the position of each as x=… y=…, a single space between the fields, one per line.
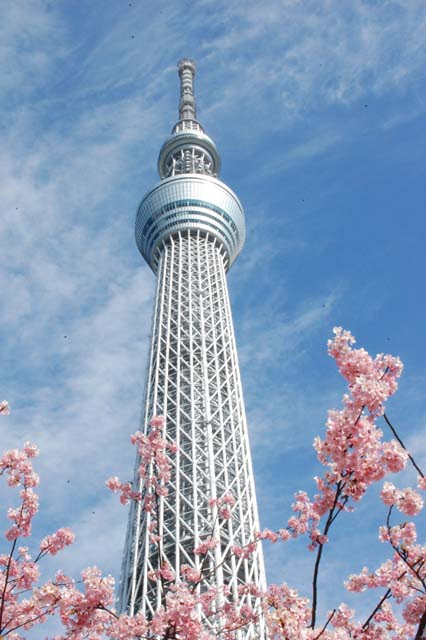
x=421 y=591
x=212 y=572
x=339 y=488
x=403 y=555
x=236 y=627
x=413 y=462
x=341 y=507
x=422 y=627
x=102 y=607
x=5 y=585
x=330 y=617
x=160 y=551
x=387 y=595
x=6 y=580
x=171 y=629
x=195 y=585
x=359 y=415
x=31 y=621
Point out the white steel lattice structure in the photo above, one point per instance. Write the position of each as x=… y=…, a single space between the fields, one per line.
x=190 y=228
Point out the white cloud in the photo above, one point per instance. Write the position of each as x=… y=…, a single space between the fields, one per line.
x=29 y=33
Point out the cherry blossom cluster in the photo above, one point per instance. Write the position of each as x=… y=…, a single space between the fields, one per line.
x=288 y=616
x=152 y=449
x=353 y=450
x=404 y=575
x=354 y=455
x=154 y=467
x=205 y=546
x=223 y=504
x=249 y=548
x=16 y=464
x=287 y=613
x=371 y=380
x=407 y=501
x=89 y=613
x=124 y=488
x=190 y=574
x=57 y=541
x=20 y=606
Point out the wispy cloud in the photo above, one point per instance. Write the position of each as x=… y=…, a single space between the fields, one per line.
x=289 y=57
x=293 y=157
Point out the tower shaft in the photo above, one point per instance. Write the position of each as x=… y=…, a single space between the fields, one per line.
x=190 y=228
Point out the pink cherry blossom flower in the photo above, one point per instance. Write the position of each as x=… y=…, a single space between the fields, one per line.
x=394 y=456
x=157 y=422
x=205 y=546
x=267 y=534
x=189 y=573
x=166 y=572
x=342 y=616
x=421 y=483
x=246 y=551
x=4 y=408
x=410 y=502
x=57 y=541
x=124 y=488
x=389 y=494
x=284 y=534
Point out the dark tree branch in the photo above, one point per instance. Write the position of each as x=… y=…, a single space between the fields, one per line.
x=331 y=514
x=9 y=562
x=387 y=595
x=404 y=556
x=422 y=627
x=30 y=621
x=413 y=462
x=326 y=624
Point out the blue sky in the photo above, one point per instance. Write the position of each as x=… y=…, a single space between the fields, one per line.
x=318 y=111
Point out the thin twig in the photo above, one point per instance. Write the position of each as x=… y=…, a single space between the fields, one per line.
x=237 y=626
x=160 y=550
x=341 y=507
x=339 y=488
x=326 y=625
x=9 y=561
x=104 y=608
x=203 y=562
x=387 y=595
x=403 y=555
x=413 y=462
x=19 y=626
x=360 y=414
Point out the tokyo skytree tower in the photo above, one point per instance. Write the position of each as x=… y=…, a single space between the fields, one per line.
x=190 y=228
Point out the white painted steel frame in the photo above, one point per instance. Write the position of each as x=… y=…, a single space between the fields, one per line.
x=194 y=381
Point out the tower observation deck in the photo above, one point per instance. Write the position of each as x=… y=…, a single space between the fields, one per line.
x=190 y=228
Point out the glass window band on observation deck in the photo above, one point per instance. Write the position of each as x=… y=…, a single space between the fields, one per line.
x=178 y=204
x=192 y=222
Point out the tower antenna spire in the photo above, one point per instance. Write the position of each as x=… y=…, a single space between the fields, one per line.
x=187 y=109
